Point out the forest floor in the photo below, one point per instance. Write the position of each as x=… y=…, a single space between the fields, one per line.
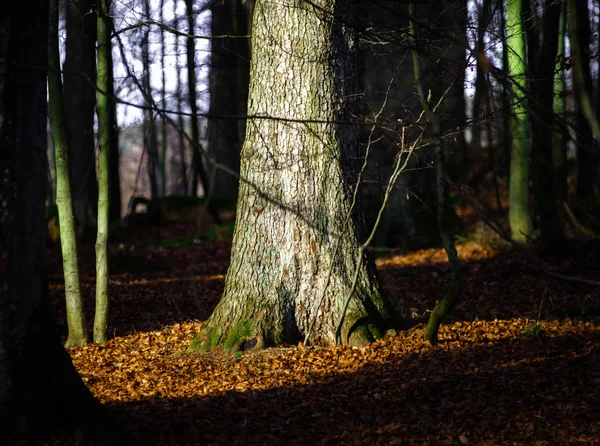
x=518 y=361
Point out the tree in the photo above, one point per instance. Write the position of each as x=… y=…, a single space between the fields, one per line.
x=79 y=75
x=542 y=85
x=228 y=83
x=445 y=306
x=104 y=133
x=75 y=309
x=197 y=165
x=296 y=257
x=559 y=107
x=39 y=387
x=180 y=124
x=150 y=137
x=587 y=126
x=518 y=196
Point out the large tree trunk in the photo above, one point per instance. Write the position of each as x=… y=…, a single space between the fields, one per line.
x=228 y=82
x=295 y=252
x=80 y=100
x=39 y=387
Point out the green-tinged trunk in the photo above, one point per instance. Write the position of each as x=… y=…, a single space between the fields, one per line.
x=587 y=126
x=521 y=227
x=559 y=134
x=296 y=247
x=103 y=110
x=445 y=306
x=74 y=303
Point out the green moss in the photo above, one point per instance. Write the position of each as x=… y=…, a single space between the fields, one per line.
x=231 y=339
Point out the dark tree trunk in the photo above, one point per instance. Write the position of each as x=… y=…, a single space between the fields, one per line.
x=39 y=387
x=542 y=83
x=578 y=19
x=150 y=136
x=228 y=82
x=182 y=182
x=80 y=100
x=295 y=254
x=114 y=183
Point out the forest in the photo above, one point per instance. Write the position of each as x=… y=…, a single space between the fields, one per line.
x=300 y=222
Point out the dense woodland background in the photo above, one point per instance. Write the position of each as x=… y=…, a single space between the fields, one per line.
x=444 y=160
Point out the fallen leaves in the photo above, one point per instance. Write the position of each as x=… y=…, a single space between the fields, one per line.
x=492 y=380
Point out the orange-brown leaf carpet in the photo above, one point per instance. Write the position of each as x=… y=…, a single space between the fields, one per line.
x=518 y=362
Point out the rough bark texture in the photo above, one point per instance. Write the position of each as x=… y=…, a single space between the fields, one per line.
x=80 y=100
x=228 y=82
x=76 y=321
x=39 y=387
x=294 y=251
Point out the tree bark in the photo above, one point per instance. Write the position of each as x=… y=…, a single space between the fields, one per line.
x=228 y=83
x=80 y=100
x=150 y=136
x=295 y=251
x=545 y=186
x=559 y=135
x=76 y=321
x=587 y=126
x=183 y=186
x=39 y=387
x=104 y=77
x=521 y=227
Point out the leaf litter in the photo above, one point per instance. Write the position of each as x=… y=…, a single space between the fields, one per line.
x=518 y=362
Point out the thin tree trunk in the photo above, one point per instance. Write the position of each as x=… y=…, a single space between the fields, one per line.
x=587 y=128
x=104 y=50
x=114 y=177
x=518 y=195
x=80 y=100
x=296 y=254
x=180 y=122
x=506 y=117
x=191 y=72
x=197 y=161
x=150 y=137
x=228 y=82
x=445 y=306
x=76 y=321
x=559 y=137
x=482 y=90
x=163 y=122
x=545 y=186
